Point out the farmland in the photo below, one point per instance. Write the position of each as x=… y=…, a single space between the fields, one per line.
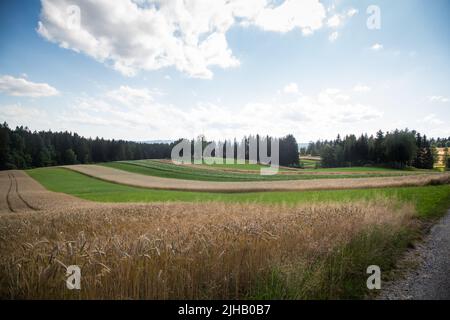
x=147 y=243
x=243 y=172
x=85 y=187
x=337 y=182
x=309 y=163
x=224 y=155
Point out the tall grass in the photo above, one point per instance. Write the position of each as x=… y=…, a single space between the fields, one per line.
x=199 y=251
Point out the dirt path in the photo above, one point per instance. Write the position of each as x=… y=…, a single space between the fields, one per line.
x=431 y=280
x=21 y=193
x=151 y=182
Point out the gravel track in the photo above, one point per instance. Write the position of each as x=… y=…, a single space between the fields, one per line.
x=431 y=279
x=144 y=181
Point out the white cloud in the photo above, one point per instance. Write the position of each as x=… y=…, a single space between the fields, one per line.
x=189 y=35
x=307 y=32
x=130 y=96
x=291 y=14
x=330 y=110
x=334 y=21
x=351 y=12
x=291 y=88
x=17 y=110
x=438 y=99
x=361 y=88
x=338 y=20
x=434 y=125
x=331 y=91
x=18 y=115
x=432 y=119
x=376 y=47
x=333 y=36
x=21 y=87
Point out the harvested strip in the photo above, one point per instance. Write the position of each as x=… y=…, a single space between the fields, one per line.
x=143 y=181
x=15 y=182
x=5 y=186
x=15 y=204
x=21 y=193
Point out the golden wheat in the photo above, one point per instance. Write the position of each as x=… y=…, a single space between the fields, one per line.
x=173 y=251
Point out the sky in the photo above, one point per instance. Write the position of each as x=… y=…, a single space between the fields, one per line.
x=149 y=70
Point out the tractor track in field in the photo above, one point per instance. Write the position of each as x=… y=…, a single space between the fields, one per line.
x=20 y=193
x=14 y=191
x=8 y=201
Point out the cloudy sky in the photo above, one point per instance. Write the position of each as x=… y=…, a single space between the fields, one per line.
x=149 y=69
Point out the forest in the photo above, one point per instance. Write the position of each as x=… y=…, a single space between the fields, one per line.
x=22 y=149
x=396 y=149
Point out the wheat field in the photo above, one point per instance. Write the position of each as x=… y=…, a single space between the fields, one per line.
x=184 y=250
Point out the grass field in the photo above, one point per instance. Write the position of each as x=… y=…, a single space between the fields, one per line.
x=309 y=163
x=363 y=169
x=235 y=165
x=427 y=198
x=169 y=170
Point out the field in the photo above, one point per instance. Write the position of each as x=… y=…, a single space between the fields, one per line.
x=85 y=187
x=136 y=179
x=242 y=172
x=147 y=243
x=309 y=163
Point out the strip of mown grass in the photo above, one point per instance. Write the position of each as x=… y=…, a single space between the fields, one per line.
x=430 y=200
x=239 y=166
x=309 y=164
x=168 y=170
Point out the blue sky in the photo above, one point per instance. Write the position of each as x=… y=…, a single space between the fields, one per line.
x=140 y=71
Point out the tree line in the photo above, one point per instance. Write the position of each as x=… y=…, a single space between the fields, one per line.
x=441 y=142
x=22 y=149
x=395 y=149
x=288 y=148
